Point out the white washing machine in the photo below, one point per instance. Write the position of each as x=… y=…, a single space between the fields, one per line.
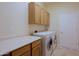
x=47 y=42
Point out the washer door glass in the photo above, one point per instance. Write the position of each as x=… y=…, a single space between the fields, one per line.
x=50 y=43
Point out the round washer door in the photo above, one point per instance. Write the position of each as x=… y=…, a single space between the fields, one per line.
x=48 y=45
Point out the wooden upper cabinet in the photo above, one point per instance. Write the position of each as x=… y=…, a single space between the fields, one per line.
x=34 y=13
x=31 y=13
x=42 y=17
x=46 y=18
x=37 y=15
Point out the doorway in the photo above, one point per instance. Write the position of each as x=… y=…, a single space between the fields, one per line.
x=68 y=30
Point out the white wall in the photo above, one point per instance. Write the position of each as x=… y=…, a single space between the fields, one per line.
x=13 y=19
x=55 y=9
x=38 y=28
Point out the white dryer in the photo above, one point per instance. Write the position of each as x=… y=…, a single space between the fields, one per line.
x=47 y=42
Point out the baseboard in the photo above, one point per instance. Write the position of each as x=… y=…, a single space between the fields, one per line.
x=69 y=48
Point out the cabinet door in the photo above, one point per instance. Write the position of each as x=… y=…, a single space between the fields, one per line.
x=21 y=51
x=42 y=17
x=37 y=48
x=31 y=13
x=36 y=51
x=37 y=14
x=28 y=53
x=47 y=19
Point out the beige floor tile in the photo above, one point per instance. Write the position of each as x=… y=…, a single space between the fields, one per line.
x=65 y=52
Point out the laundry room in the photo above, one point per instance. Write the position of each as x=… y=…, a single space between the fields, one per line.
x=39 y=29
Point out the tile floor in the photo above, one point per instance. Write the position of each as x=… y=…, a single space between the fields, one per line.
x=64 y=52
